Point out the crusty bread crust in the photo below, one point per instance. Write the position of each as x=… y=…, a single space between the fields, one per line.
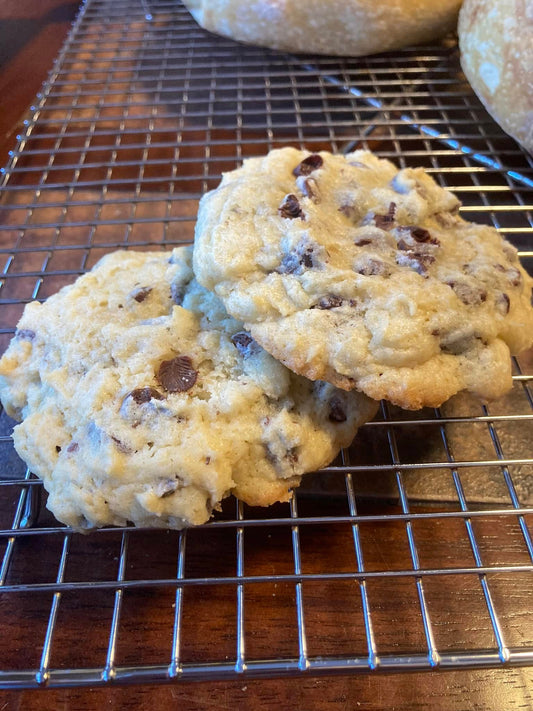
x=340 y=27
x=496 y=42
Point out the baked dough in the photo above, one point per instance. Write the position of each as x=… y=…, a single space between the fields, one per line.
x=142 y=401
x=340 y=27
x=496 y=42
x=349 y=270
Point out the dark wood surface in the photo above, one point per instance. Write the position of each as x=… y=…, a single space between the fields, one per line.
x=31 y=34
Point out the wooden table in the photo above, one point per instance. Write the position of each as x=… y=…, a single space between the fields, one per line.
x=31 y=34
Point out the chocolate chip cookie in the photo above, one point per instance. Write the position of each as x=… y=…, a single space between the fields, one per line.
x=349 y=270
x=142 y=401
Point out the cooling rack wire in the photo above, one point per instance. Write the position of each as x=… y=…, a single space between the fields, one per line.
x=413 y=550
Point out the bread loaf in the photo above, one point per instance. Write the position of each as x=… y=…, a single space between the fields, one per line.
x=340 y=27
x=496 y=42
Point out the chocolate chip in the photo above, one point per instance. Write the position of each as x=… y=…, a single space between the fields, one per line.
x=25 y=334
x=403 y=245
x=245 y=344
x=166 y=487
x=141 y=293
x=121 y=446
x=329 y=302
x=308 y=188
x=457 y=345
x=419 y=234
x=374 y=268
x=290 y=264
x=337 y=412
x=414 y=259
x=290 y=208
x=362 y=242
x=73 y=447
x=469 y=295
x=58 y=448
x=503 y=303
x=177 y=375
x=292 y=456
x=300 y=258
x=142 y=395
x=385 y=222
x=347 y=209
x=177 y=292
x=308 y=165
x=514 y=276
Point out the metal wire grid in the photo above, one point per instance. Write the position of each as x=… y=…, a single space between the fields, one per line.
x=140 y=115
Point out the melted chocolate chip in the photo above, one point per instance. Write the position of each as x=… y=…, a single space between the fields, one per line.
x=141 y=293
x=362 y=242
x=414 y=259
x=458 y=345
x=25 y=334
x=177 y=375
x=385 y=222
x=121 y=446
x=329 y=302
x=374 y=268
x=142 y=395
x=347 y=209
x=292 y=456
x=295 y=262
x=73 y=447
x=177 y=292
x=308 y=187
x=290 y=208
x=419 y=234
x=514 y=276
x=166 y=487
x=308 y=165
x=337 y=412
x=470 y=296
x=245 y=344
x=503 y=303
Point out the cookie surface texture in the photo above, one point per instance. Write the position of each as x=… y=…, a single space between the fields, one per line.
x=141 y=400
x=349 y=270
x=341 y=27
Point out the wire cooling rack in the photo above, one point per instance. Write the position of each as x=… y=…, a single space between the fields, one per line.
x=413 y=550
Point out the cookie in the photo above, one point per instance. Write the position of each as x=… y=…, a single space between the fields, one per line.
x=349 y=270
x=340 y=27
x=142 y=401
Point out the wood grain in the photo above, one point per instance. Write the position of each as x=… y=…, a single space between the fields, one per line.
x=31 y=35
